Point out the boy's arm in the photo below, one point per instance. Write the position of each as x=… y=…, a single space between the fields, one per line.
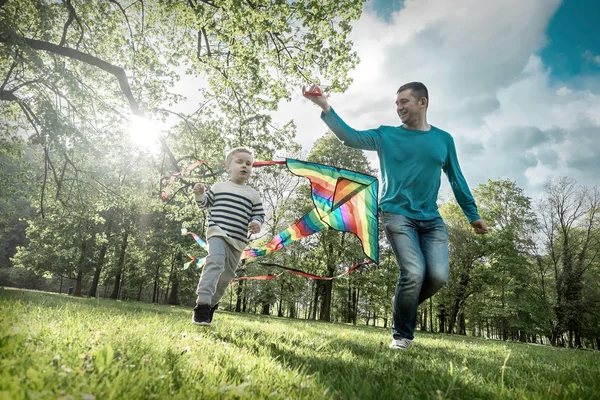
x=459 y=185
x=205 y=200
x=258 y=212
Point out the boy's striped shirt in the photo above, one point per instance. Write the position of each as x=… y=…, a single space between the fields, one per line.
x=232 y=208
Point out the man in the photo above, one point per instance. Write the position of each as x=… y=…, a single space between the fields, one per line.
x=411 y=157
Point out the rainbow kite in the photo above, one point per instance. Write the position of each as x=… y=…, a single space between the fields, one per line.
x=344 y=200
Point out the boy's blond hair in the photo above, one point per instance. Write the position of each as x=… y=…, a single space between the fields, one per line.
x=235 y=151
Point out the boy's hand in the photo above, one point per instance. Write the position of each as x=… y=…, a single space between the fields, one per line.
x=315 y=94
x=254 y=227
x=198 y=188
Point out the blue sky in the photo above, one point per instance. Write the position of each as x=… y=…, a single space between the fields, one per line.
x=574 y=40
x=573 y=36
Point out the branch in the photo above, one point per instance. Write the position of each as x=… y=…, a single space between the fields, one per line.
x=209 y=3
x=63 y=39
x=14 y=64
x=117 y=72
x=44 y=183
x=8 y=95
x=206 y=41
x=126 y=20
x=72 y=16
x=163 y=143
x=199 y=44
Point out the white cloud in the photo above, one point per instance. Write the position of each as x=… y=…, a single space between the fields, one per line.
x=487 y=86
x=589 y=56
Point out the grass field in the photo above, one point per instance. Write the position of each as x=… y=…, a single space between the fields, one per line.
x=55 y=346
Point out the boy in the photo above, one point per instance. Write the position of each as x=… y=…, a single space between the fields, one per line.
x=235 y=209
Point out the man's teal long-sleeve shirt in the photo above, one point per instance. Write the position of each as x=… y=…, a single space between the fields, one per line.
x=411 y=162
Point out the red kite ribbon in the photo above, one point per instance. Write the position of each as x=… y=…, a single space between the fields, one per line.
x=298 y=272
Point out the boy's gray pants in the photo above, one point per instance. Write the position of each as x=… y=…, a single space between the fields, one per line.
x=218 y=272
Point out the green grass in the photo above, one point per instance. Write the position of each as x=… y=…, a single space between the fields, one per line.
x=54 y=346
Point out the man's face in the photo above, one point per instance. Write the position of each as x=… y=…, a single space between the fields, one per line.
x=409 y=109
x=240 y=167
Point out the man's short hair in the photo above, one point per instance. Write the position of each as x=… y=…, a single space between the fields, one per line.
x=235 y=151
x=418 y=90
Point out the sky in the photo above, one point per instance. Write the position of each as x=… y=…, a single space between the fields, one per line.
x=516 y=83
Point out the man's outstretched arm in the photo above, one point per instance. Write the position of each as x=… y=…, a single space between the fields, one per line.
x=364 y=140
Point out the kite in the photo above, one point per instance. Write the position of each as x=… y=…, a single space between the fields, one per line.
x=343 y=200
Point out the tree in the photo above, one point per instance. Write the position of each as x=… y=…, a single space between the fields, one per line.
x=570 y=225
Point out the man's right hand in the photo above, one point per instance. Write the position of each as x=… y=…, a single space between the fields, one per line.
x=198 y=188
x=319 y=100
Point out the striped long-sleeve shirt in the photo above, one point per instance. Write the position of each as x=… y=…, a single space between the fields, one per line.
x=232 y=208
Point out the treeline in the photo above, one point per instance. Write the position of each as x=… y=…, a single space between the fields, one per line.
x=535 y=277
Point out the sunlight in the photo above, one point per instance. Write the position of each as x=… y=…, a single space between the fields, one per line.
x=144 y=132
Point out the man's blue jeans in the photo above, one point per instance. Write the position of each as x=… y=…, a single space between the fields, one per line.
x=421 y=249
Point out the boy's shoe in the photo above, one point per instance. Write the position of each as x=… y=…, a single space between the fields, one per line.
x=202 y=314
x=401 y=344
x=212 y=311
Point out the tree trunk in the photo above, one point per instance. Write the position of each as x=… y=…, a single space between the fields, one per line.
x=238 y=300
x=316 y=300
x=80 y=265
x=356 y=299
x=139 y=295
x=155 y=288
x=327 y=287
x=266 y=309
x=442 y=318
x=280 y=308
x=77 y=291
x=462 y=328
x=424 y=318
x=431 y=315
x=120 y=263
x=101 y=259
x=348 y=308
x=174 y=296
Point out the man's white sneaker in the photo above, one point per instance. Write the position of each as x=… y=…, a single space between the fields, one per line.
x=401 y=344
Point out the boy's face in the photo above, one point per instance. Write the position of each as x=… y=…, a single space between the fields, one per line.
x=240 y=167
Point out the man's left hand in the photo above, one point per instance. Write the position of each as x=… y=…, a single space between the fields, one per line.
x=479 y=226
